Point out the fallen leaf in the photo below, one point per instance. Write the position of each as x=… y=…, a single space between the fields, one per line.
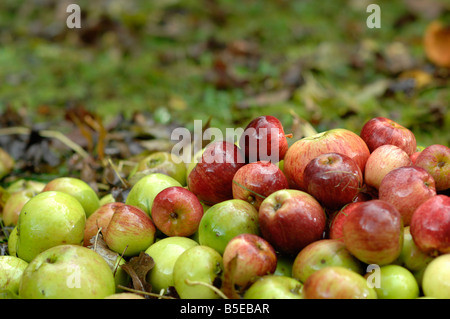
x=137 y=268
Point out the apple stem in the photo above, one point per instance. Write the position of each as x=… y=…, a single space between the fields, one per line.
x=201 y=283
x=290 y=135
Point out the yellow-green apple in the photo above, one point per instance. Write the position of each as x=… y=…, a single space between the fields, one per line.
x=49 y=219
x=383 y=160
x=333 y=179
x=12 y=242
x=7 y=163
x=195 y=269
x=13 y=206
x=337 y=221
x=247 y=257
x=436 y=282
x=338 y=140
x=373 y=232
x=224 y=221
x=11 y=270
x=324 y=253
x=284 y=265
x=396 y=282
x=165 y=253
x=274 y=287
x=255 y=181
x=435 y=159
x=430 y=225
x=411 y=256
x=130 y=231
x=99 y=220
x=176 y=211
x=335 y=282
x=407 y=188
x=380 y=131
x=67 y=272
x=211 y=179
x=106 y=199
x=24 y=184
x=291 y=219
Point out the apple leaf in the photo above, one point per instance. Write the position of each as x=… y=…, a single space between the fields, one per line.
x=137 y=268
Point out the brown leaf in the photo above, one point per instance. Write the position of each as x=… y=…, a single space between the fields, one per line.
x=98 y=245
x=229 y=287
x=137 y=268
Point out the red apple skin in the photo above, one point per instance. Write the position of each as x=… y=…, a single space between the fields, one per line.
x=258 y=137
x=339 y=140
x=333 y=179
x=435 y=159
x=255 y=181
x=373 y=232
x=407 y=188
x=414 y=156
x=176 y=211
x=255 y=257
x=383 y=160
x=382 y=131
x=430 y=226
x=99 y=219
x=290 y=220
x=337 y=221
x=211 y=179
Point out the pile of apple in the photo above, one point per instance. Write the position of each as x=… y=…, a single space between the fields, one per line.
x=340 y=215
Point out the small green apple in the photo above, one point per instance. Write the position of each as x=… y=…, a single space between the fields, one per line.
x=436 y=278
x=284 y=265
x=411 y=257
x=11 y=270
x=23 y=184
x=108 y=198
x=121 y=277
x=14 y=205
x=397 y=282
x=275 y=287
x=67 y=272
x=12 y=242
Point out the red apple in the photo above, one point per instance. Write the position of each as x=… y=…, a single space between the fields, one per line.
x=291 y=219
x=430 y=225
x=333 y=179
x=407 y=188
x=340 y=141
x=255 y=181
x=373 y=232
x=99 y=219
x=254 y=257
x=382 y=131
x=264 y=140
x=211 y=179
x=176 y=211
x=337 y=221
x=383 y=160
x=435 y=159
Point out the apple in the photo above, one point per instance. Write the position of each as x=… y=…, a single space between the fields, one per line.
x=13 y=206
x=106 y=199
x=337 y=221
x=323 y=253
x=436 y=282
x=253 y=257
x=99 y=220
x=262 y=136
x=373 y=232
x=165 y=253
x=435 y=159
x=224 y=221
x=211 y=179
x=7 y=163
x=130 y=231
x=414 y=155
x=67 y=272
x=23 y=184
x=125 y=295
x=255 y=181
x=274 y=287
x=380 y=131
x=78 y=189
x=11 y=270
x=195 y=159
x=291 y=219
x=407 y=188
x=339 y=140
x=333 y=179
x=12 y=242
x=430 y=225
x=411 y=257
x=383 y=160
x=49 y=219
x=198 y=264
x=176 y=211
x=284 y=265
x=145 y=190
x=335 y=282
x=396 y=282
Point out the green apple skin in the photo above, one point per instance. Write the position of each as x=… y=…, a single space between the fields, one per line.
x=145 y=190
x=225 y=220
x=121 y=277
x=67 y=272
x=11 y=270
x=324 y=253
x=107 y=199
x=78 y=189
x=12 y=242
x=23 y=184
x=284 y=265
x=198 y=264
x=275 y=287
x=397 y=282
x=14 y=205
x=165 y=253
x=436 y=278
x=411 y=257
x=49 y=219
x=125 y=295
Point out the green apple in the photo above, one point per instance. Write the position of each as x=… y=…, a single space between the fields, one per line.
x=436 y=278
x=145 y=190
x=275 y=287
x=396 y=282
x=165 y=253
x=11 y=270
x=121 y=277
x=49 y=219
x=78 y=189
x=225 y=220
x=14 y=205
x=411 y=257
x=6 y=163
x=197 y=270
x=12 y=242
x=284 y=265
x=67 y=272
x=125 y=295
x=23 y=184
x=108 y=198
